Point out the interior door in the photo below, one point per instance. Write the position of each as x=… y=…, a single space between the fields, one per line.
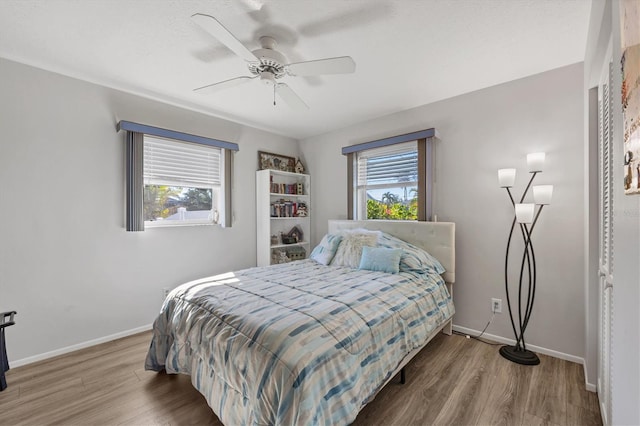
x=605 y=172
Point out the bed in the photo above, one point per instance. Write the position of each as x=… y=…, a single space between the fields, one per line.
x=301 y=342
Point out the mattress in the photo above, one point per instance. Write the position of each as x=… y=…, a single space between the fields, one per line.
x=297 y=343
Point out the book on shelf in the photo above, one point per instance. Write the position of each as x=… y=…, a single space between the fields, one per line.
x=285 y=188
x=285 y=208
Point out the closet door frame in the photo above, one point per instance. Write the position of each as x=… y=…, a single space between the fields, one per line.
x=605 y=228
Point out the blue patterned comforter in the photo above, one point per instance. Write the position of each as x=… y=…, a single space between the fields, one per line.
x=298 y=343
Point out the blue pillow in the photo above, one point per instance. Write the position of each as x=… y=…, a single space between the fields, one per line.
x=381 y=259
x=323 y=253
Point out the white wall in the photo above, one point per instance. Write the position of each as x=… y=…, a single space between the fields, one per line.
x=480 y=133
x=66 y=263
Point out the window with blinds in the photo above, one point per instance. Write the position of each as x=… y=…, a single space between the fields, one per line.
x=182 y=182
x=386 y=182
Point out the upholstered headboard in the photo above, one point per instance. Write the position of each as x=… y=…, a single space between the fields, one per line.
x=437 y=238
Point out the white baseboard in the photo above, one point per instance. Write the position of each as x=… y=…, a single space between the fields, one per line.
x=590 y=386
x=538 y=349
x=88 y=343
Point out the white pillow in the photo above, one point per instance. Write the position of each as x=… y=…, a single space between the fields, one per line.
x=349 y=251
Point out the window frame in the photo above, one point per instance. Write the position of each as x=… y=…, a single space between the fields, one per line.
x=134 y=153
x=426 y=169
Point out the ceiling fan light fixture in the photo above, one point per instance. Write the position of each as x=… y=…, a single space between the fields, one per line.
x=268 y=78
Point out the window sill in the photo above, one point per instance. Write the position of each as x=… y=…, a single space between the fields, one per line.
x=162 y=224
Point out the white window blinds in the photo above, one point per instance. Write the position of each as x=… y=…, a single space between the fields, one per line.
x=388 y=166
x=169 y=162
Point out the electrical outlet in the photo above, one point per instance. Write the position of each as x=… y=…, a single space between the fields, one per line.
x=496 y=306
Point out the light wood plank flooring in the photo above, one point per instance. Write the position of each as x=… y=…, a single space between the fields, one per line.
x=454 y=381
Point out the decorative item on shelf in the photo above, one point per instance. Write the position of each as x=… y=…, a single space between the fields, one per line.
x=279 y=256
x=296 y=233
x=526 y=216
x=301 y=211
x=267 y=160
x=299 y=167
x=286 y=239
x=296 y=253
x=274 y=240
x=300 y=188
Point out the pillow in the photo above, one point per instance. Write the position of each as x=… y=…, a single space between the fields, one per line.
x=414 y=259
x=381 y=259
x=350 y=249
x=323 y=253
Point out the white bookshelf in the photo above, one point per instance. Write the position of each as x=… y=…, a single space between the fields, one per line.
x=268 y=225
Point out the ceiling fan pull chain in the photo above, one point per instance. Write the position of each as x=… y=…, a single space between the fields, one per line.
x=274 y=95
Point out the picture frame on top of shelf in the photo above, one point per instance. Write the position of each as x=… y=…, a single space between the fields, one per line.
x=268 y=160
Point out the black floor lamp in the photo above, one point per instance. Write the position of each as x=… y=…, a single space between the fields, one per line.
x=526 y=216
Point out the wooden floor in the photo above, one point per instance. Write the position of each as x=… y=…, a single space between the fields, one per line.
x=454 y=381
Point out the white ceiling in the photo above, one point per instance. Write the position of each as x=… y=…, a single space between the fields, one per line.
x=408 y=52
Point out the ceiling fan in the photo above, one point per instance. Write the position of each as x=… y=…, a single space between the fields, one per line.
x=268 y=65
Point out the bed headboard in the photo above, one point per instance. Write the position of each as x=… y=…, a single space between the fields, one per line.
x=437 y=238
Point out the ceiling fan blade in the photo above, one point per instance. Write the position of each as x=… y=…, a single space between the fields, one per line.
x=211 y=88
x=340 y=65
x=290 y=97
x=224 y=36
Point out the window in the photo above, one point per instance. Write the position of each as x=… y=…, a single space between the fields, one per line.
x=175 y=178
x=182 y=183
x=391 y=178
x=386 y=185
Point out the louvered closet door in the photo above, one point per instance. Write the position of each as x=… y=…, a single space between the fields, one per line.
x=605 y=102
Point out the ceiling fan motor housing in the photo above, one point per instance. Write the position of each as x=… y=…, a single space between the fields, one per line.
x=271 y=65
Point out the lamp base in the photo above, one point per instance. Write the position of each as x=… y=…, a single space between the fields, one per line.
x=519 y=356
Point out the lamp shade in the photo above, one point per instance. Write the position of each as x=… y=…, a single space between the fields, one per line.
x=535 y=161
x=506 y=177
x=524 y=212
x=542 y=194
